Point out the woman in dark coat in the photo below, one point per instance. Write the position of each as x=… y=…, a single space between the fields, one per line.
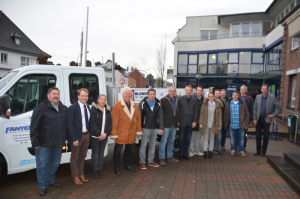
x=102 y=124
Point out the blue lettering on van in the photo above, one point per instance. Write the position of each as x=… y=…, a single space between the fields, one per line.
x=20 y=128
x=30 y=161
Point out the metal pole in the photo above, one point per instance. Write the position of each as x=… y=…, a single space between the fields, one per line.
x=86 y=37
x=81 y=48
x=113 y=77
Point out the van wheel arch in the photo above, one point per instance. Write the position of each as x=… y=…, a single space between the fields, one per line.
x=3 y=165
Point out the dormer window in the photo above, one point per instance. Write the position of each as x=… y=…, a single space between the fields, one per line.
x=17 y=38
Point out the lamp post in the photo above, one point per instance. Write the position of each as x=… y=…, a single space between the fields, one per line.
x=79 y=55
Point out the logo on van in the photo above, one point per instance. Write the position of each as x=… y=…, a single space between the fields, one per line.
x=30 y=161
x=17 y=127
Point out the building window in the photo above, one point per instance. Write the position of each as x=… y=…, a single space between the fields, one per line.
x=192 y=69
x=273 y=58
x=245 y=29
x=18 y=41
x=245 y=63
x=256 y=29
x=202 y=63
x=232 y=67
x=212 y=61
x=292 y=5
x=295 y=43
x=257 y=58
x=209 y=34
x=25 y=61
x=3 y=58
x=182 y=63
x=222 y=63
x=293 y=91
x=235 y=30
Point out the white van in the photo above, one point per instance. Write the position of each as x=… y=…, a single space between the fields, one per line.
x=21 y=90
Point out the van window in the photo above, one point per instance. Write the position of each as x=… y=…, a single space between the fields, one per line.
x=33 y=88
x=88 y=81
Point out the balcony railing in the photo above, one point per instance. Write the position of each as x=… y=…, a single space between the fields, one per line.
x=222 y=36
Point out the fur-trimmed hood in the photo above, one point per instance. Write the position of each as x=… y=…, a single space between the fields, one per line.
x=217 y=101
x=97 y=106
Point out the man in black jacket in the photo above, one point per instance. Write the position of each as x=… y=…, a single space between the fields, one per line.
x=224 y=100
x=194 y=147
x=169 y=106
x=48 y=131
x=151 y=111
x=188 y=114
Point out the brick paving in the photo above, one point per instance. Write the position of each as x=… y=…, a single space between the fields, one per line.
x=223 y=176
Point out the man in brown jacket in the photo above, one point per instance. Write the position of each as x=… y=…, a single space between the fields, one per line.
x=236 y=119
x=126 y=126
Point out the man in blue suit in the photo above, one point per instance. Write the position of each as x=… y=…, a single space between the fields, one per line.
x=80 y=129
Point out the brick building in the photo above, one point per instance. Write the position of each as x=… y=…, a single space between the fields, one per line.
x=140 y=78
x=290 y=74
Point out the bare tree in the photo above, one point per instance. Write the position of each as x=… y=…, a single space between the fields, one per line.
x=161 y=56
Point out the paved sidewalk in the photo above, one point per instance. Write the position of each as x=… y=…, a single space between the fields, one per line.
x=223 y=176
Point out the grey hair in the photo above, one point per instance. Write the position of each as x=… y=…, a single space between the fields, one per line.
x=189 y=87
x=125 y=88
x=172 y=87
x=223 y=90
x=244 y=86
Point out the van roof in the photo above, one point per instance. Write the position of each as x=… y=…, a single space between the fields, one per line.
x=38 y=67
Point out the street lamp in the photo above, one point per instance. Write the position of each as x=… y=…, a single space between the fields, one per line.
x=81 y=54
x=199 y=76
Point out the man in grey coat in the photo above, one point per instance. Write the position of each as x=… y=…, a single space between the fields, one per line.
x=262 y=117
x=188 y=115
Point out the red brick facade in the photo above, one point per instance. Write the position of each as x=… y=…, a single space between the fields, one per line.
x=140 y=80
x=290 y=61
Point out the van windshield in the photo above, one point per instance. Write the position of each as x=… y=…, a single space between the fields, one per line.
x=4 y=80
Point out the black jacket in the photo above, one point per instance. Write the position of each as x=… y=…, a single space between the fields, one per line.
x=223 y=108
x=170 y=119
x=74 y=123
x=48 y=127
x=149 y=118
x=97 y=117
x=200 y=102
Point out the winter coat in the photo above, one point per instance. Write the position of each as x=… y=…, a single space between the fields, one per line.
x=48 y=127
x=244 y=115
x=149 y=118
x=217 y=121
x=170 y=119
x=125 y=125
x=97 y=117
x=249 y=101
x=200 y=102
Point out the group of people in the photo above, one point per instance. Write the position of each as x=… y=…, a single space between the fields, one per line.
x=52 y=123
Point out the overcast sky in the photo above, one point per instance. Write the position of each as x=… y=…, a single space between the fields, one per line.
x=132 y=29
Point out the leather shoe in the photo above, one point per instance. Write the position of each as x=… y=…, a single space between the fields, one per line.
x=77 y=181
x=129 y=168
x=96 y=175
x=263 y=155
x=180 y=157
x=83 y=179
x=257 y=153
x=43 y=192
x=117 y=171
x=54 y=184
x=186 y=157
x=100 y=174
x=209 y=154
x=205 y=154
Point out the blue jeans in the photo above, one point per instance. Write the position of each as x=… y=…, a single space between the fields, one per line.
x=217 y=140
x=47 y=163
x=168 y=138
x=237 y=133
x=185 y=135
x=224 y=132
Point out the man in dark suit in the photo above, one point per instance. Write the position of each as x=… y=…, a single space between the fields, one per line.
x=263 y=112
x=80 y=129
x=188 y=114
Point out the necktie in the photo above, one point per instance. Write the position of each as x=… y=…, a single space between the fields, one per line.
x=86 y=118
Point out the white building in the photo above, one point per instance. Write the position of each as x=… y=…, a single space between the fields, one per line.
x=232 y=50
x=16 y=49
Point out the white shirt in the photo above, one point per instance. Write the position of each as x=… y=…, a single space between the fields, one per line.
x=235 y=102
x=83 y=115
x=209 y=103
x=103 y=121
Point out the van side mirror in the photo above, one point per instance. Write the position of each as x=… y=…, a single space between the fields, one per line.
x=5 y=110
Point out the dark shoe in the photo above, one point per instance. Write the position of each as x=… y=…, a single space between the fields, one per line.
x=129 y=168
x=186 y=157
x=205 y=154
x=257 y=153
x=100 y=174
x=263 y=154
x=180 y=157
x=173 y=160
x=209 y=154
x=54 y=184
x=96 y=174
x=77 y=181
x=219 y=152
x=162 y=162
x=43 y=192
x=83 y=179
x=117 y=171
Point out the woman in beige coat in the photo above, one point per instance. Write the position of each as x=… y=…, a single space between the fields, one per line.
x=210 y=122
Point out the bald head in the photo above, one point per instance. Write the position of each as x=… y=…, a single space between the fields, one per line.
x=172 y=92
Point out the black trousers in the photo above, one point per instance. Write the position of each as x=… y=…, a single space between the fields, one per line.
x=98 y=148
x=262 y=127
x=127 y=155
